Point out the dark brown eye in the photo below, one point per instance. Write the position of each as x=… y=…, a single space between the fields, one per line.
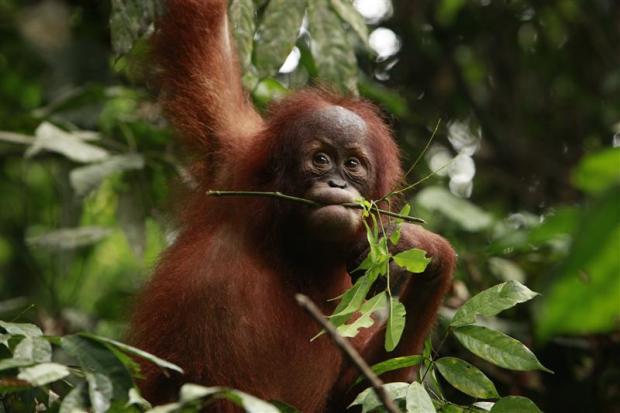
x=352 y=163
x=321 y=159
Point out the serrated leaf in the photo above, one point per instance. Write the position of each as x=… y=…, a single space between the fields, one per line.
x=392 y=364
x=48 y=137
x=134 y=351
x=369 y=401
x=242 y=14
x=69 y=238
x=36 y=349
x=413 y=260
x=497 y=348
x=515 y=404
x=492 y=301
x=43 y=373
x=24 y=329
x=466 y=378
x=334 y=57
x=418 y=400
x=87 y=178
x=100 y=391
x=349 y=14
x=76 y=401
x=276 y=34
x=395 y=324
x=365 y=319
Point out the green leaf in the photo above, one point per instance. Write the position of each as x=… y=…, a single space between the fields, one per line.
x=498 y=348
x=466 y=214
x=53 y=139
x=250 y=403
x=395 y=324
x=36 y=349
x=84 y=179
x=492 y=301
x=466 y=378
x=598 y=171
x=24 y=329
x=418 y=400
x=69 y=238
x=95 y=357
x=588 y=278
x=76 y=401
x=333 y=55
x=134 y=351
x=267 y=90
x=365 y=319
x=136 y=399
x=352 y=299
x=515 y=404
x=100 y=391
x=392 y=364
x=242 y=14
x=43 y=373
x=8 y=364
x=349 y=14
x=277 y=33
x=413 y=260
x=369 y=401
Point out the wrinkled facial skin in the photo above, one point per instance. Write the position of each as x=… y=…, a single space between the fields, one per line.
x=336 y=167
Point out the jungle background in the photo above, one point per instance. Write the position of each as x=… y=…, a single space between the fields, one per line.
x=522 y=99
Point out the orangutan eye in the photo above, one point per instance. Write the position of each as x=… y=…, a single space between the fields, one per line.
x=321 y=160
x=352 y=163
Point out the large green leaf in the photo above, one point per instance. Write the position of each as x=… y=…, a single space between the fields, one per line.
x=352 y=300
x=76 y=401
x=418 y=400
x=95 y=357
x=599 y=171
x=369 y=401
x=100 y=391
x=498 y=348
x=43 y=373
x=392 y=364
x=491 y=302
x=24 y=329
x=515 y=404
x=395 y=324
x=365 y=319
x=333 y=55
x=413 y=260
x=36 y=349
x=134 y=351
x=276 y=34
x=466 y=378
x=583 y=296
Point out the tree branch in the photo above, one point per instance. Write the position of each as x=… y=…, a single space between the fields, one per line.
x=349 y=352
x=309 y=202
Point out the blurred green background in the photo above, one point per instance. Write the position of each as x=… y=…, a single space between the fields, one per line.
x=525 y=98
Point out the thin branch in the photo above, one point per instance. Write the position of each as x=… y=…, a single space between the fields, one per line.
x=428 y=143
x=309 y=202
x=349 y=352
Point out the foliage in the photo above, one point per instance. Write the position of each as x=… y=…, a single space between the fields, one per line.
x=533 y=88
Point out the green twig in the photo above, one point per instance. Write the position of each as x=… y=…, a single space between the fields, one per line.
x=309 y=202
